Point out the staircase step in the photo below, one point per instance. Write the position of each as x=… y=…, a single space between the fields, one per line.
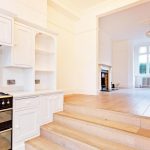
x=139 y=121
x=74 y=140
x=101 y=121
x=102 y=113
x=41 y=143
x=132 y=136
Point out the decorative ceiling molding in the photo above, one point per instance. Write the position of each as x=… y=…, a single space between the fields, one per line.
x=63 y=9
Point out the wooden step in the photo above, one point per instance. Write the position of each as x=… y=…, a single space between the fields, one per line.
x=100 y=121
x=108 y=130
x=41 y=143
x=71 y=139
x=139 y=121
x=107 y=123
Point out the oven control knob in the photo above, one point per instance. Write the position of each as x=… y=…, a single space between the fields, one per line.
x=3 y=103
x=8 y=102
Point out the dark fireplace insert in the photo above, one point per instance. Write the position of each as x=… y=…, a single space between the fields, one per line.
x=104 y=80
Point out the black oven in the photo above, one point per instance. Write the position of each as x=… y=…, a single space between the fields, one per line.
x=6 y=105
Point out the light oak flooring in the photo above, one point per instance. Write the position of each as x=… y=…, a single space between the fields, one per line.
x=94 y=142
x=41 y=143
x=132 y=101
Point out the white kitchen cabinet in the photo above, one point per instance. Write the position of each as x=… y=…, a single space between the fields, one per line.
x=45 y=113
x=6 y=25
x=57 y=102
x=25 y=123
x=24 y=46
x=31 y=112
x=50 y=104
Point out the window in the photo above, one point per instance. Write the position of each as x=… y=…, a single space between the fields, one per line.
x=144 y=59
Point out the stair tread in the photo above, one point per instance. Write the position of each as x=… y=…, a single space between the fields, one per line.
x=103 y=122
x=84 y=137
x=144 y=132
x=41 y=143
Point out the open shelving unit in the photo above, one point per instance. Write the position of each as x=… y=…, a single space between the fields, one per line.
x=30 y=62
x=45 y=62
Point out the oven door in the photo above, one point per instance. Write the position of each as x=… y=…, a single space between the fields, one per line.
x=6 y=140
x=6 y=129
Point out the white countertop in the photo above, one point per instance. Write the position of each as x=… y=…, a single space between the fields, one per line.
x=20 y=94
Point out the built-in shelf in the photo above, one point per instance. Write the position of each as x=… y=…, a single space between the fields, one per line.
x=43 y=52
x=45 y=62
x=44 y=70
x=18 y=66
x=32 y=58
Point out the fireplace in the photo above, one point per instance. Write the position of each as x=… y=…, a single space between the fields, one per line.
x=104 y=80
x=105 y=77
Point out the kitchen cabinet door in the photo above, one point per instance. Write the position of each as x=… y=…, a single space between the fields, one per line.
x=46 y=115
x=5 y=31
x=24 y=46
x=57 y=102
x=25 y=124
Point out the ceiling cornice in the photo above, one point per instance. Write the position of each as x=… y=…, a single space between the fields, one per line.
x=63 y=9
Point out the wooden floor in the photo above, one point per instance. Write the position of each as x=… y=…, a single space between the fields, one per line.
x=132 y=101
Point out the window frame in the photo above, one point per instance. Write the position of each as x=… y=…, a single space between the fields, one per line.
x=148 y=59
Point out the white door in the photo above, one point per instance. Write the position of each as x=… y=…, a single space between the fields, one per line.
x=5 y=31
x=24 y=41
x=25 y=124
x=45 y=110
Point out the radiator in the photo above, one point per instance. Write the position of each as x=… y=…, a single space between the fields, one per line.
x=146 y=82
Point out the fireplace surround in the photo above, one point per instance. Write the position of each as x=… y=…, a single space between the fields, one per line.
x=105 y=72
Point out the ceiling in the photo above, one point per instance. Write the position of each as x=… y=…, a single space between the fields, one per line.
x=76 y=7
x=129 y=24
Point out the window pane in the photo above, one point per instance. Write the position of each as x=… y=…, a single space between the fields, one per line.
x=143 y=50
x=142 y=64
x=142 y=68
x=143 y=59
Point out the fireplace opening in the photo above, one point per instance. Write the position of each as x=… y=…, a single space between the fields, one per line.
x=104 y=80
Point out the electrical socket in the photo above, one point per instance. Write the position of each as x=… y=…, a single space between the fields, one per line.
x=37 y=81
x=11 y=82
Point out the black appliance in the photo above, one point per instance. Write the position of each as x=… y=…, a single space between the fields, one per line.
x=104 y=80
x=6 y=111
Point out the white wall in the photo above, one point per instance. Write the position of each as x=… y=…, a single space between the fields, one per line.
x=105 y=48
x=66 y=67
x=34 y=11
x=76 y=52
x=86 y=62
x=122 y=62
x=85 y=49
x=87 y=44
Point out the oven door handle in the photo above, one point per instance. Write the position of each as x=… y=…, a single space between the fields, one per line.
x=5 y=109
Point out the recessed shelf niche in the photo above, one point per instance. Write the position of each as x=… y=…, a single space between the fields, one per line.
x=45 y=62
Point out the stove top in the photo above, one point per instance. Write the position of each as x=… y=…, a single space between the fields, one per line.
x=3 y=94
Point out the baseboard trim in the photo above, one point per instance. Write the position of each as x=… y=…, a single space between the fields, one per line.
x=80 y=91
